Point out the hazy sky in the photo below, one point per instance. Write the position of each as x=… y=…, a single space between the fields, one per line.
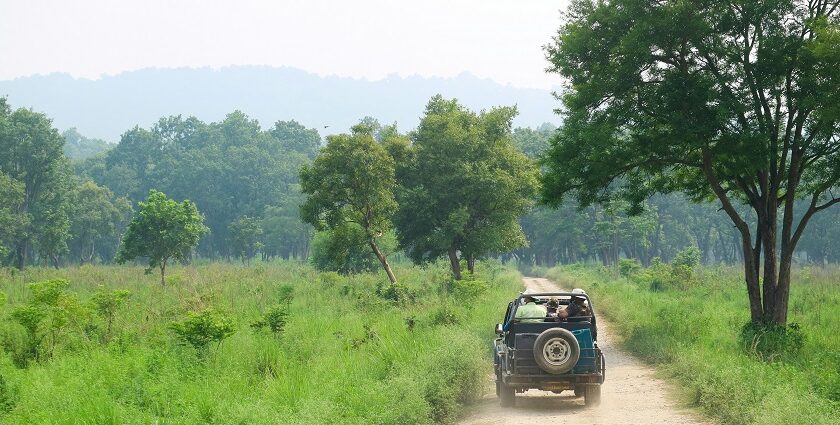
x=496 y=39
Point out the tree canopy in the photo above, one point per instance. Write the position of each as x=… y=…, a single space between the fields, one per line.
x=727 y=100
x=465 y=187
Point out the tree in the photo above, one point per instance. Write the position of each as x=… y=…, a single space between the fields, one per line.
x=245 y=233
x=284 y=234
x=95 y=219
x=162 y=230
x=734 y=100
x=466 y=187
x=31 y=152
x=295 y=137
x=351 y=181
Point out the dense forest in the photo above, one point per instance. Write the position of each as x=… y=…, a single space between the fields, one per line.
x=68 y=199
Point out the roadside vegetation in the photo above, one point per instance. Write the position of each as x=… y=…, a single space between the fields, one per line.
x=270 y=343
x=690 y=321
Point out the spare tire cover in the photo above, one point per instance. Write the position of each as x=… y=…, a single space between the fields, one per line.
x=556 y=351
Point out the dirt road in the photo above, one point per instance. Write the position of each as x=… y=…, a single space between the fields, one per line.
x=630 y=395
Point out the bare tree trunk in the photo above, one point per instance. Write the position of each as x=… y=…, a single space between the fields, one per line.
x=21 y=255
x=455 y=262
x=471 y=263
x=162 y=272
x=383 y=260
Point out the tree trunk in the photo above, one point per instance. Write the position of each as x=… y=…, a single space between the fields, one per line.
x=471 y=263
x=162 y=272
x=455 y=262
x=21 y=255
x=382 y=260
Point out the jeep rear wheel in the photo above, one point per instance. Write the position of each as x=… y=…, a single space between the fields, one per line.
x=507 y=395
x=556 y=351
x=592 y=395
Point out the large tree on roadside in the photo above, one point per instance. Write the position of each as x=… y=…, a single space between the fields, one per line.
x=466 y=186
x=734 y=100
x=351 y=181
x=162 y=230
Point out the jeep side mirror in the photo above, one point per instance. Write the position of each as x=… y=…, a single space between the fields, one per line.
x=499 y=329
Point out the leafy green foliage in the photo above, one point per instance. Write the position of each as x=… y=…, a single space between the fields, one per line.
x=162 y=230
x=107 y=303
x=245 y=234
x=696 y=337
x=79 y=147
x=351 y=181
x=466 y=187
x=230 y=169
x=682 y=98
x=628 y=267
x=44 y=319
x=202 y=328
x=274 y=319
x=769 y=341
x=12 y=223
x=345 y=249
x=97 y=217
x=31 y=155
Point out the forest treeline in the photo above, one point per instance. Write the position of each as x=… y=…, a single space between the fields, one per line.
x=68 y=199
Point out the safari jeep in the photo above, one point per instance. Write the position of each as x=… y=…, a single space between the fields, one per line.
x=549 y=354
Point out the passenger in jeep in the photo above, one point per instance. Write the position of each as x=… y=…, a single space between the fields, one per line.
x=576 y=310
x=531 y=312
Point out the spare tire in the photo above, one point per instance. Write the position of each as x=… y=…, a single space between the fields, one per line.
x=556 y=350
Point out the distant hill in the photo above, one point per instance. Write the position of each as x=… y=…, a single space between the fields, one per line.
x=107 y=107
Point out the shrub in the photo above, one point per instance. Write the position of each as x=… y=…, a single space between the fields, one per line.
x=396 y=292
x=446 y=315
x=688 y=257
x=274 y=319
x=7 y=396
x=200 y=329
x=628 y=266
x=44 y=319
x=770 y=341
x=469 y=287
x=106 y=304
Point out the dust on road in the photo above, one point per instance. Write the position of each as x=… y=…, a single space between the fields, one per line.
x=631 y=393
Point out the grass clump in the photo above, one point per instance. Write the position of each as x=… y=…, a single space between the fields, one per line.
x=693 y=328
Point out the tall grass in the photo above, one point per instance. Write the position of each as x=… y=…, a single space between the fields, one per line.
x=691 y=330
x=351 y=351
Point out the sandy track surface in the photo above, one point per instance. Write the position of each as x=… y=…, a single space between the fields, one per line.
x=630 y=395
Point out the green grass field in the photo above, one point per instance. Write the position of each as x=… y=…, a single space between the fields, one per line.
x=351 y=351
x=691 y=329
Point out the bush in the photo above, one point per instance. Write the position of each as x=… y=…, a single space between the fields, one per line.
x=469 y=287
x=44 y=319
x=688 y=257
x=770 y=341
x=200 y=329
x=274 y=319
x=396 y=292
x=106 y=304
x=628 y=266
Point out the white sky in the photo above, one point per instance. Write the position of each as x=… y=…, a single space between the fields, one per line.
x=497 y=39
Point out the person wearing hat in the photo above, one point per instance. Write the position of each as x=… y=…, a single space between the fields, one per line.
x=577 y=306
x=530 y=311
